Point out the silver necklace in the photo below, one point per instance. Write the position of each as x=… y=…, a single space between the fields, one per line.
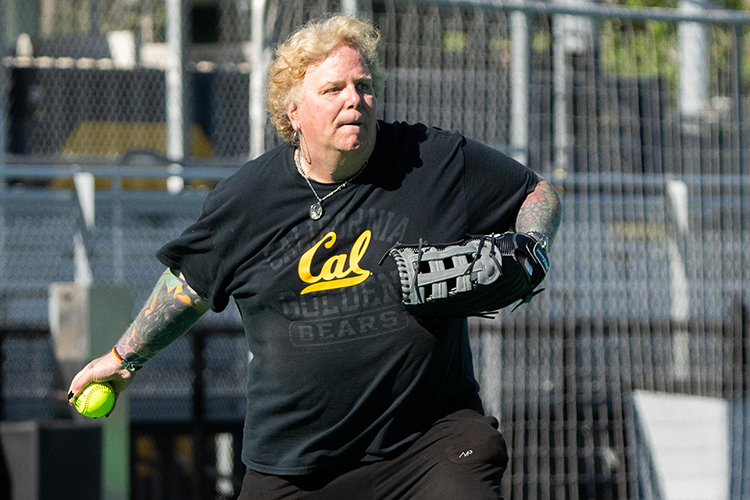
x=316 y=209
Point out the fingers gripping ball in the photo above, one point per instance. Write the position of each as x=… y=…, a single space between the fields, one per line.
x=96 y=400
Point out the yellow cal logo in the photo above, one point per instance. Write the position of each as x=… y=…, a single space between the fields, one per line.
x=335 y=272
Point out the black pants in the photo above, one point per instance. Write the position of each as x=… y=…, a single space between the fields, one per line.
x=462 y=456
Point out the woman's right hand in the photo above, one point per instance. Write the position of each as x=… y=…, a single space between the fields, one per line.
x=103 y=369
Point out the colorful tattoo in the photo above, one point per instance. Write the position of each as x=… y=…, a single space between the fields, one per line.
x=171 y=310
x=541 y=211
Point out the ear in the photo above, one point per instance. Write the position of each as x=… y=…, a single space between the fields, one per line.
x=293 y=114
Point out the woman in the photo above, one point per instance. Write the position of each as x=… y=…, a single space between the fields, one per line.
x=349 y=396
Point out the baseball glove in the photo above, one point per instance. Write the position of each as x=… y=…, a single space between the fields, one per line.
x=474 y=277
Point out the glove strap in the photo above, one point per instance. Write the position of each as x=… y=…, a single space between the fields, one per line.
x=527 y=299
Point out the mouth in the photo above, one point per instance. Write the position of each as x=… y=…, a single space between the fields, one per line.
x=354 y=121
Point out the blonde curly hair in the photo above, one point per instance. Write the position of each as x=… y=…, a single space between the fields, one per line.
x=308 y=46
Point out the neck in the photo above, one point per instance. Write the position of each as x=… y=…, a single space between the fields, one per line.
x=333 y=168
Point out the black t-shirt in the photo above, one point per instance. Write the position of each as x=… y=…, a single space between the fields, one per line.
x=340 y=372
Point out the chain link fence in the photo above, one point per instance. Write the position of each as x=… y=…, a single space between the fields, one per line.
x=627 y=379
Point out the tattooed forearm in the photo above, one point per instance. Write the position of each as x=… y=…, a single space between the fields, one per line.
x=541 y=211
x=171 y=310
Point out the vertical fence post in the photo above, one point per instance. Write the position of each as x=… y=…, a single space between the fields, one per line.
x=739 y=116
x=677 y=192
x=257 y=79
x=84 y=190
x=571 y=35
x=559 y=95
x=349 y=7
x=520 y=85
x=177 y=121
x=693 y=47
x=693 y=71
x=118 y=232
x=3 y=87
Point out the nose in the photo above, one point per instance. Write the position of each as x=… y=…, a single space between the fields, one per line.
x=353 y=96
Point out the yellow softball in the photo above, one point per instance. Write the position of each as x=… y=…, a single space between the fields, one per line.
x=96 y=399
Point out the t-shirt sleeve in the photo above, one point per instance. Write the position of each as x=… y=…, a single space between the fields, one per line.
x=496 y=186
x=198 y=252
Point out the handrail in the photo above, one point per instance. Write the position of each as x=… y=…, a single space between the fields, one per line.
x=708 y=15
x=650 y=180
x=48 y=172
x=54 y=172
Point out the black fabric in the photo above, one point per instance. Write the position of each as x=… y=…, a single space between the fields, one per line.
x=340 y=372
x=461 y=456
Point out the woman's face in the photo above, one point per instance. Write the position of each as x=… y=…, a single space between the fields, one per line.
x=335 y=108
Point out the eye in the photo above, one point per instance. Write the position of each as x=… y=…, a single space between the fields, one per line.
x=365 y=87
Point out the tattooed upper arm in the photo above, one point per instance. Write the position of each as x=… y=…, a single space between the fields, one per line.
x=541 y=211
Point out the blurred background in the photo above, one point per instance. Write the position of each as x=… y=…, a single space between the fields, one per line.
x=628 y=378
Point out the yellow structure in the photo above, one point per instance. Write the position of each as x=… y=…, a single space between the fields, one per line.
x=114 y=139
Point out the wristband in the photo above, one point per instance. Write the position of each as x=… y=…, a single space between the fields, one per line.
x=541 y=238
x=128 y=366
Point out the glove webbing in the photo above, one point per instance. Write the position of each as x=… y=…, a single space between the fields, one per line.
x=417 y=265
x=457 y=286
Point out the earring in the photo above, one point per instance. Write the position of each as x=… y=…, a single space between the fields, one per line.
x=295 y=138
x=301 y=137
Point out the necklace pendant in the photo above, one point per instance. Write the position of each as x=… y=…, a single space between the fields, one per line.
x=316 y=211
